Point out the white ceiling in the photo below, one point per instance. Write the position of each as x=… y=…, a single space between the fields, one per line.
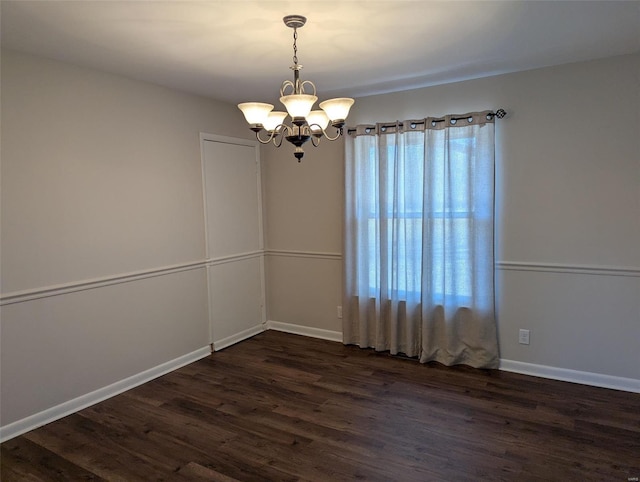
x=239 y=50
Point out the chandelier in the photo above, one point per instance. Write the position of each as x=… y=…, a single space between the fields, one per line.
x=305 y=124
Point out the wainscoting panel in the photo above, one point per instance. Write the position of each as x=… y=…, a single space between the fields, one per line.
x=83 y=341
x=583 y=321
x=66 y=408
x=235 y=297
x=305 y=289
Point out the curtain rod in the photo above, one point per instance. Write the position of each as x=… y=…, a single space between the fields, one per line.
x=500 y=114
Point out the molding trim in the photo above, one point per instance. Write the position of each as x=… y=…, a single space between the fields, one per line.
x=574 y=376
x=235 y=257
x=205 y=136
x=66 y=408
x=305 y=331
x=63 y=289
x=233 y=339
x=304 y=254
x=569 y=268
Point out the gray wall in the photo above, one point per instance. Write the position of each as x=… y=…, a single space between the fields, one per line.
x=568 y=219
x=303 y=205
x=101 y=197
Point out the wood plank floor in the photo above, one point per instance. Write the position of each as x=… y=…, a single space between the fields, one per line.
x=285 y=407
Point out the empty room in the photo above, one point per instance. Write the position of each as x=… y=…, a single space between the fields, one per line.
x=339 y=240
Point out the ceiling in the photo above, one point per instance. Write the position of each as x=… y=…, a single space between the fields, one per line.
x=239 y=50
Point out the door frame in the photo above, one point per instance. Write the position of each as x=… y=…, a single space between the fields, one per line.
x=260 y=253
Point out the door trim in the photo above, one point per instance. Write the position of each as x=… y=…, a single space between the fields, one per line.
x=206 y=137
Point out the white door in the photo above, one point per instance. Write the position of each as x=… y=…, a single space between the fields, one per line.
x=233 y=211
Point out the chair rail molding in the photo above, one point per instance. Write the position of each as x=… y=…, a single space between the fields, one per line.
x=88 y=284
x=235 y=257
x=626 y=271
x=304 y=254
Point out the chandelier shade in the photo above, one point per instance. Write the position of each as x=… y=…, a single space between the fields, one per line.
x=273 y=120
x=255 y=112
x=318 y=121
x=337 y=109
x=298 y=105
x=298 y=97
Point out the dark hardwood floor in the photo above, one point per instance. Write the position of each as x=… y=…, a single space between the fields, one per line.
x=286 y=407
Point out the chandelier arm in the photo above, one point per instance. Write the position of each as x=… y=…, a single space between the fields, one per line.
x=272 y=136
x=338 y=134
x=315 y=132
x=302 y=84
x=287 y=131
x=315 y=140
x=285 y=84
x=275 y=141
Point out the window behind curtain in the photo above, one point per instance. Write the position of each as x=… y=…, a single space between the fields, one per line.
x=405 y=215
x=419 y=239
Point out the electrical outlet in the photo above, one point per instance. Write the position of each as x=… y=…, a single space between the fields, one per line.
x=523 y=338
x=339 y=312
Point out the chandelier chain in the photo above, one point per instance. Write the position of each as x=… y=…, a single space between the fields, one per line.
x=295 y=46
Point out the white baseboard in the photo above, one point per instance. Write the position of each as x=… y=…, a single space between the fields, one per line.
x=305 y=330
x=59 y=411
x=575 y=376
x=243 y=335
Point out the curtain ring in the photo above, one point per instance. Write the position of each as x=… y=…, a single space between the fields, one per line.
x=367 y=130
x=383 y=129
x=413 y=125
x=452 y=121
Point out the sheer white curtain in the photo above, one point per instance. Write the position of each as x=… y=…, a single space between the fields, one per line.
x=419 y=266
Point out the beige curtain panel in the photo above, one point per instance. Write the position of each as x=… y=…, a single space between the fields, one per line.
x=419 y=239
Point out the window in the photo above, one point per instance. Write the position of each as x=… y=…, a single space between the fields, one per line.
x=419 y=240
x=399 y=212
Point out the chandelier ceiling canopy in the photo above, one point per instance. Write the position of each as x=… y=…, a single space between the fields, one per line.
x=298 y=97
